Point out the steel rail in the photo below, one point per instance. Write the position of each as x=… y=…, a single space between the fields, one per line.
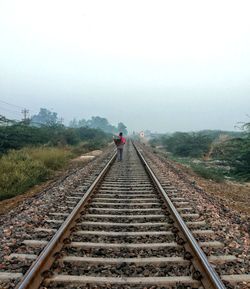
x=35 y=275
x=214 y=281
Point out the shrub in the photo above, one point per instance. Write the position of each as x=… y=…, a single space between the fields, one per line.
x=186 y=144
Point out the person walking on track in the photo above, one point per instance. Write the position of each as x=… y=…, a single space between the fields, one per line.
x=120 y=142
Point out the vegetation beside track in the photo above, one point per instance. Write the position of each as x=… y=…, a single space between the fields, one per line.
x=31 y=155
x=22 y=169
x=215 y=155
x=19 y=135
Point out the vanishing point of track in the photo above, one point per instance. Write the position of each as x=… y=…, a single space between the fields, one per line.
x=126 y=231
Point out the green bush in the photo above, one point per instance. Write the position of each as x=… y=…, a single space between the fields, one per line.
x=184 y=144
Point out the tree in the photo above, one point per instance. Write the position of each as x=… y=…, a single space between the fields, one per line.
x=122 y=128
x=45 y=117
x=101 y=123
x=82 y=123
x=74 y=123
x=246 y=127
x=98 y=122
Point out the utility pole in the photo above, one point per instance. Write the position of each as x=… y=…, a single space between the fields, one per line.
x=25 y=114
x=61 y=120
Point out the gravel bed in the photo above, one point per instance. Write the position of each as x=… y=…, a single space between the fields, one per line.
x=188 y=211
x=125 y=252
x=128 y=198
x=49 y=225
x=132 y=182
x=16 y=265
x=8 y=285
x=124 y=220
x=110 y=286
x=24 y=249
x=203 y=227
x=155 y=200
x=235 y=267
x=124 y=229
x=55 y=217
x=122 y=270
x=42 y=236
x=205 y=238
x=102 y=212
x=135 y=189
x=117 y=206
x=66 y=209
x=123 y=239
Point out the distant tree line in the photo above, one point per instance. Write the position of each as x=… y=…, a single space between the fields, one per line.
x=19 y=135
x=48 y=118
x=99 y=123
x=45 y=128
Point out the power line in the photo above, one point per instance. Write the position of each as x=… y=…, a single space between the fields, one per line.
x=10 y=110
x=18 y=106
x=11 y=104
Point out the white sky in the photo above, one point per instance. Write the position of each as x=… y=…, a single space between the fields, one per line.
x=159 y=65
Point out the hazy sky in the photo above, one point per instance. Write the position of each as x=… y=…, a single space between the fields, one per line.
x=159 y=65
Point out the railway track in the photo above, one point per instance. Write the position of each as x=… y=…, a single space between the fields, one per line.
x=126 y=231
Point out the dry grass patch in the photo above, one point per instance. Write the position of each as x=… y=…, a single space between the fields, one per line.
x=22 y=169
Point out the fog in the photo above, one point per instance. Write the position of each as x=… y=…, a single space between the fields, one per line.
x=158 y=65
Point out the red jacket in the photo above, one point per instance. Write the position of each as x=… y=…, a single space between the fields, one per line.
x=121 y=141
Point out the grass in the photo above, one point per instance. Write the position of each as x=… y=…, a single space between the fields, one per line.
x=52 y=158
x=86 y=146
x=22 y=169
x=203 y=169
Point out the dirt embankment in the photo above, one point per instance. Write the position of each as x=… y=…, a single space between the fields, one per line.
x=236 y=195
